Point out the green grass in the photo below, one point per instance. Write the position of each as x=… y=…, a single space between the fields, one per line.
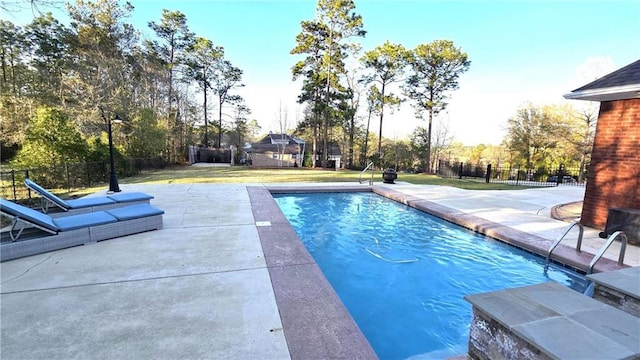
x=243 y=174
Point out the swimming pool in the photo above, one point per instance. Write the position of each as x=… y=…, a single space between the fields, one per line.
x=402 y=274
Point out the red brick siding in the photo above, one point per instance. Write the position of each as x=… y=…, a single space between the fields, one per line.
x=614 y=173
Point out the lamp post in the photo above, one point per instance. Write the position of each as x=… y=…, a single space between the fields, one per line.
x=113 y=179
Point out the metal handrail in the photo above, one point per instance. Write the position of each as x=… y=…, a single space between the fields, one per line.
x=578 y=244
x=605 y=247
x=364 y=171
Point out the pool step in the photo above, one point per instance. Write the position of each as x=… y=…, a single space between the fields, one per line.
x=620 y=289
x=549 y=321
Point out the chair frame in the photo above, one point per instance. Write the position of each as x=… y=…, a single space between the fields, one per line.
x=123 y=224
x=66 y=208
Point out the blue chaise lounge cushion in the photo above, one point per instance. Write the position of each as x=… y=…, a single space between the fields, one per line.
x=135 y=212
x=88 y=202
x=29 y=215
x=80 y=221
x=70 y=204
x=56 y=225
x=130 y=197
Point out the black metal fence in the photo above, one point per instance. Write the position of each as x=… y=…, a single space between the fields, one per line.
x=514 y=175
x=70 y=177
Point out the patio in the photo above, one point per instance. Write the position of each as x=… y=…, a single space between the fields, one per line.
x=208 y=285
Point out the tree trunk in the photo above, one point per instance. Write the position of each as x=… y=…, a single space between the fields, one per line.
x=380 y=131
x=584 y=148
x=315 y=142
x=325 y=136
x=325 y=130
x=206 y=122
x=428 y=164
x=351 y=138
x=315 y=128
x=328 y=104
x=366 y=141
x=220 y=122
x=583 y=160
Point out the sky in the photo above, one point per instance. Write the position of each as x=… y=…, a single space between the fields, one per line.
x=520 y=51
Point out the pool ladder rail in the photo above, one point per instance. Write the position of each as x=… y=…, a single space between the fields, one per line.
x=598 y=256
x=364 y=171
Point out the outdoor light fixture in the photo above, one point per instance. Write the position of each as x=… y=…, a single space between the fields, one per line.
x=113 y=179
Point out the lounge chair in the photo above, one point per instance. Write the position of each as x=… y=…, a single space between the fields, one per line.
x=86 y=204
x=63 y=232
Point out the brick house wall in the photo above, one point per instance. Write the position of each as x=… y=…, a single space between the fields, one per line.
x=614 y=173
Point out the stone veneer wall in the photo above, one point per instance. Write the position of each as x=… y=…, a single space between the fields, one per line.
x=490 y=340
x=624 y=302
x=614 y=173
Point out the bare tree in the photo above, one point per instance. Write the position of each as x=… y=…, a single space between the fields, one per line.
x=591 y=69
x=441 y=141
x=353 y=103
x=587 y=118
x=282 y=122
x=34 y=5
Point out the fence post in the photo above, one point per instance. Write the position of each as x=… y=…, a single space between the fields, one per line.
x=488 y=178
x=517 y=174
x=26 y=174
x=66 y=170
x=86 y=168
x=13 y=183
x=560 y=175
x=460 y=171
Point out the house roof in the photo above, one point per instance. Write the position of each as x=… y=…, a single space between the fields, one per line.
x=621 y=84
x=273 y=142
x=280 y=139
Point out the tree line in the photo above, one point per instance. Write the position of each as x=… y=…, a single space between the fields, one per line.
x=55 y=77
x=333 y=91
x=341 y=82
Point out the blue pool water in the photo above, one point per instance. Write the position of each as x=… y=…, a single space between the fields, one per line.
x=402 y=273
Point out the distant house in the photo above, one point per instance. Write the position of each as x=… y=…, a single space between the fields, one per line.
x=613 y=179
x=334 y=155
x=276 y=150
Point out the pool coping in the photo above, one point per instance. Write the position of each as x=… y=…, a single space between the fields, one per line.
x=315 y=322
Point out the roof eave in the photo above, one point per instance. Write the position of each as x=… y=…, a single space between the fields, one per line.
x=606 y=94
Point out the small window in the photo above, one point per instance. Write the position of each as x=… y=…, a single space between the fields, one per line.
x=275 y=155
x=294 y=156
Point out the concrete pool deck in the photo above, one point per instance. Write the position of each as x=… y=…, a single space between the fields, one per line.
x=219 y=280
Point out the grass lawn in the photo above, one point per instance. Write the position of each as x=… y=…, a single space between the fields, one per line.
x=243 y=174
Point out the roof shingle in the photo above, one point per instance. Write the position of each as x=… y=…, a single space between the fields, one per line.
x=621 y=84
x=627 y=75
